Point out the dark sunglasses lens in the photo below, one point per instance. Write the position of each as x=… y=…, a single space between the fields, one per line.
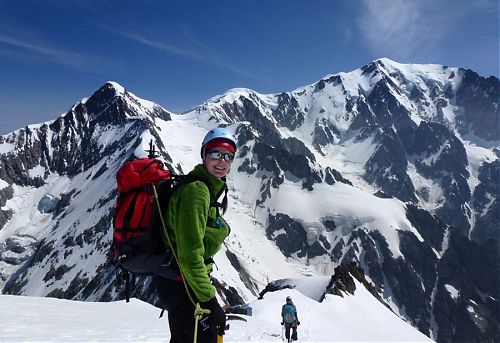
x=215 y=154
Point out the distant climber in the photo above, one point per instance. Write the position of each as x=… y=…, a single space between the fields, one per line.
x=290 y=319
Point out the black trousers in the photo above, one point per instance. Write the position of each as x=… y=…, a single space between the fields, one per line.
x=292 y=326
x=181 y=313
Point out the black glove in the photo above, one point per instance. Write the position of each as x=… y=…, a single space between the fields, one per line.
x=298 y=323
x=217 y=317
x=282 y=323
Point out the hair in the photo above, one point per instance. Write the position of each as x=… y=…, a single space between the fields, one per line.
x=224 y=200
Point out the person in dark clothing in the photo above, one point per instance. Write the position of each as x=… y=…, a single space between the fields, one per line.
x=290 y=319
x=195 y=231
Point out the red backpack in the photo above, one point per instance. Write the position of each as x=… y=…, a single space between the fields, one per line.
x=138 y=246
x=135 y=201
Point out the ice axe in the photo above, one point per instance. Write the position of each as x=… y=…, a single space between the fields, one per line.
x=220 y=338
x=152 y=150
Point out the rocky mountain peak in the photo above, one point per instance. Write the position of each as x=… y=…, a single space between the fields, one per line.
x=113 y=104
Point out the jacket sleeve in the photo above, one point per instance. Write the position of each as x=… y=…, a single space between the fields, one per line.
x=296 y=314
x=192 y=208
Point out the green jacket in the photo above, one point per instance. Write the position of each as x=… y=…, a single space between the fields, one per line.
x=195 y=231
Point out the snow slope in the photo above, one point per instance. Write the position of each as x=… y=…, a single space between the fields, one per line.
x=358 y=318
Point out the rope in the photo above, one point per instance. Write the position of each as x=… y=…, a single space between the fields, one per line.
x=199 y=312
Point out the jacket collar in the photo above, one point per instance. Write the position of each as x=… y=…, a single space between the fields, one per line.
x=215 y=185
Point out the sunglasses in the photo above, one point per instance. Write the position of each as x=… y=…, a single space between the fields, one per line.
x=217 y=155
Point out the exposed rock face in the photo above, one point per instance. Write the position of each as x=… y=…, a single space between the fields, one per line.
x=479 y=98
x=288 y=113
x=292 y=237
x=486 y=204
x=387 y=166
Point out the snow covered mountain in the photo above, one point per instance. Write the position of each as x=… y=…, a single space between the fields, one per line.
x=394 y=167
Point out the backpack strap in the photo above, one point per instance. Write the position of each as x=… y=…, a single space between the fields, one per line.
x=192 y=178
x=125 y=275
x=184 y=179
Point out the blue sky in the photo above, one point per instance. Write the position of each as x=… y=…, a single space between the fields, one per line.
x=180 y=53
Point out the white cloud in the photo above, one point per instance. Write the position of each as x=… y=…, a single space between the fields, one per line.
x=159 y=45
x=24 y=50
x=487 y=5
x=347 y=34
x=403 y=29
x=193 y=49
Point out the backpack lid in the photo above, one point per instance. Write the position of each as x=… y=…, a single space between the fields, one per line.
x=140 y=172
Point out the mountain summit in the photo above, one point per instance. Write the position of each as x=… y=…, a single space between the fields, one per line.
x=393 y=167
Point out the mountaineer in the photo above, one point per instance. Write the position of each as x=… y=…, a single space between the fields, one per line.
x=195 y=231
x=289 y=319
